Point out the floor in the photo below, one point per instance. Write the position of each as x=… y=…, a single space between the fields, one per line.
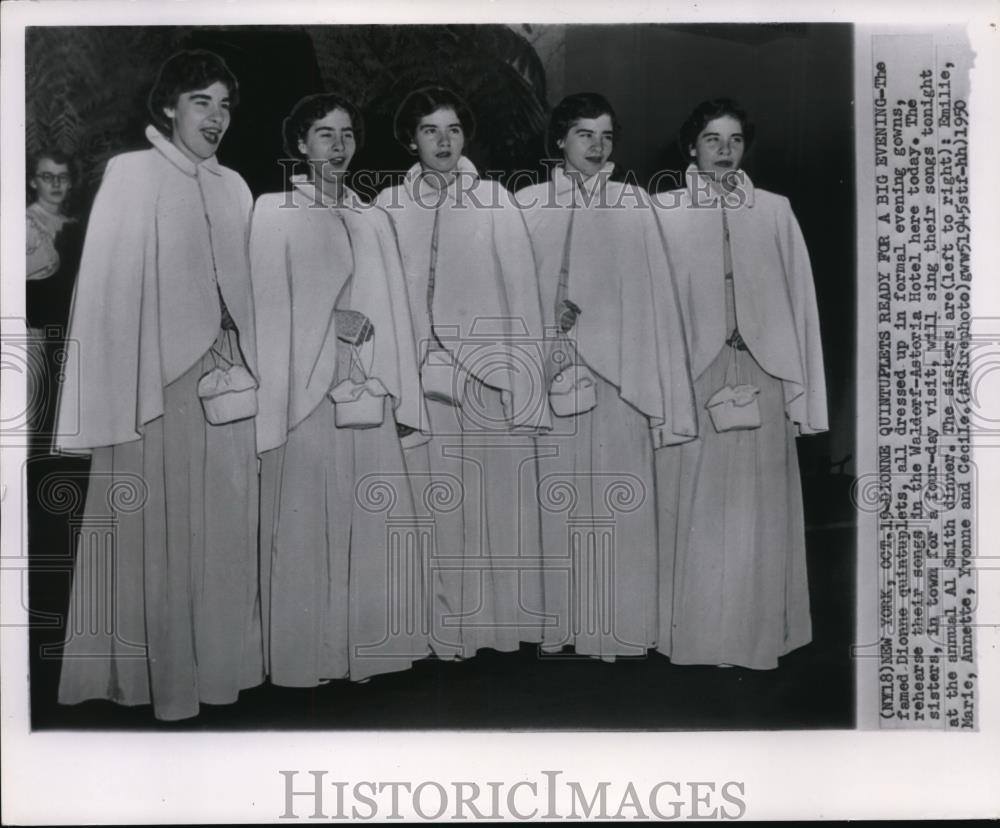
x=812 y=688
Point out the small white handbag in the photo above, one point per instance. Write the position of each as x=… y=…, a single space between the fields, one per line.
x=734 y=407
x=359 y=403
x=442 y=377
x=573 y=391
x=228 y=392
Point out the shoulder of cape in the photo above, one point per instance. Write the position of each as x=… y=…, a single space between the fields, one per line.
x=134 y=161
x=772 y=211
x=678 y=196
x=269 y=202
x=272 y=209
x=133 y=176
x=394 y=194
x=533 y=196
x=486 y=191
x=377 y=215
x=140 y=165
x=130 y=184
x=538 y=187
x=767 y=195
x=672 y=211
x=771 y=201
x=490 y=185
x=628 y=190
x=673 y=206
x=230 y=176
x=760 y=192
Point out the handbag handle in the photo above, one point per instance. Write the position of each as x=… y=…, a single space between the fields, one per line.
x=564 y=343
x=216 y=352
x=356 y=359
x=732 y=364
x=562 y=286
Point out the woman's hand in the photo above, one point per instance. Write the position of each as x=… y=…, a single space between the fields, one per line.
x=568 y=316
x=353 y=327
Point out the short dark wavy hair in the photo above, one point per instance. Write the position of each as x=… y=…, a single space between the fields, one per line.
x=708 y=111
x=571 y=109
x=185 y=72
x=424 y=101
x=314 y=108
x=60 y=157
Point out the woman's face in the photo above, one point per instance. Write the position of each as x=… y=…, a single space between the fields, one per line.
x=329 y=144
x=719 y=147
x=51 y=183
x=588 y=144
x=199 y=120
x=439 y=140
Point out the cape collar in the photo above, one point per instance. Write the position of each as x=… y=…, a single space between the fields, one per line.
x=704 y=192
x=565 y=183
x=167 y=149
x=352 y=201
x=421 y=190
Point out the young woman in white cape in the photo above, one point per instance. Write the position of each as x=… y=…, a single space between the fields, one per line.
x=165 y=605
x=342 y=595
x=734 y=589
x=474 y=300
x=614 y=325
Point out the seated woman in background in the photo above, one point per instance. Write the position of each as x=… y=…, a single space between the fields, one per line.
x=733 y=571
x=333 y=335
x=620 y=386
x=474 y=299
x=53 y=256
x=166 y=608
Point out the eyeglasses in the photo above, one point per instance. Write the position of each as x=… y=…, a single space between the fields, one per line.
x=50 y=179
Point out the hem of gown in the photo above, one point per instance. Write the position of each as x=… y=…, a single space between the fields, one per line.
x=451 y=653
x=605 y=654
x=160 y=715
x=230 y=698
x=796 y=643
x=286 y=681
x=501 y=648
x=468 y=651
x=73 y=701
x=68 y=700
x=748 y=664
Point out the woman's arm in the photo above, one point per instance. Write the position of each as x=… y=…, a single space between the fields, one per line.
x=680 y=420
x=108 y=399
x=521 y=290
x=272 y=300
x=808 y=411
x=412 y=420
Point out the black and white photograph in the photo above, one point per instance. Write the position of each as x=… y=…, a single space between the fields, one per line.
x=384 y=383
